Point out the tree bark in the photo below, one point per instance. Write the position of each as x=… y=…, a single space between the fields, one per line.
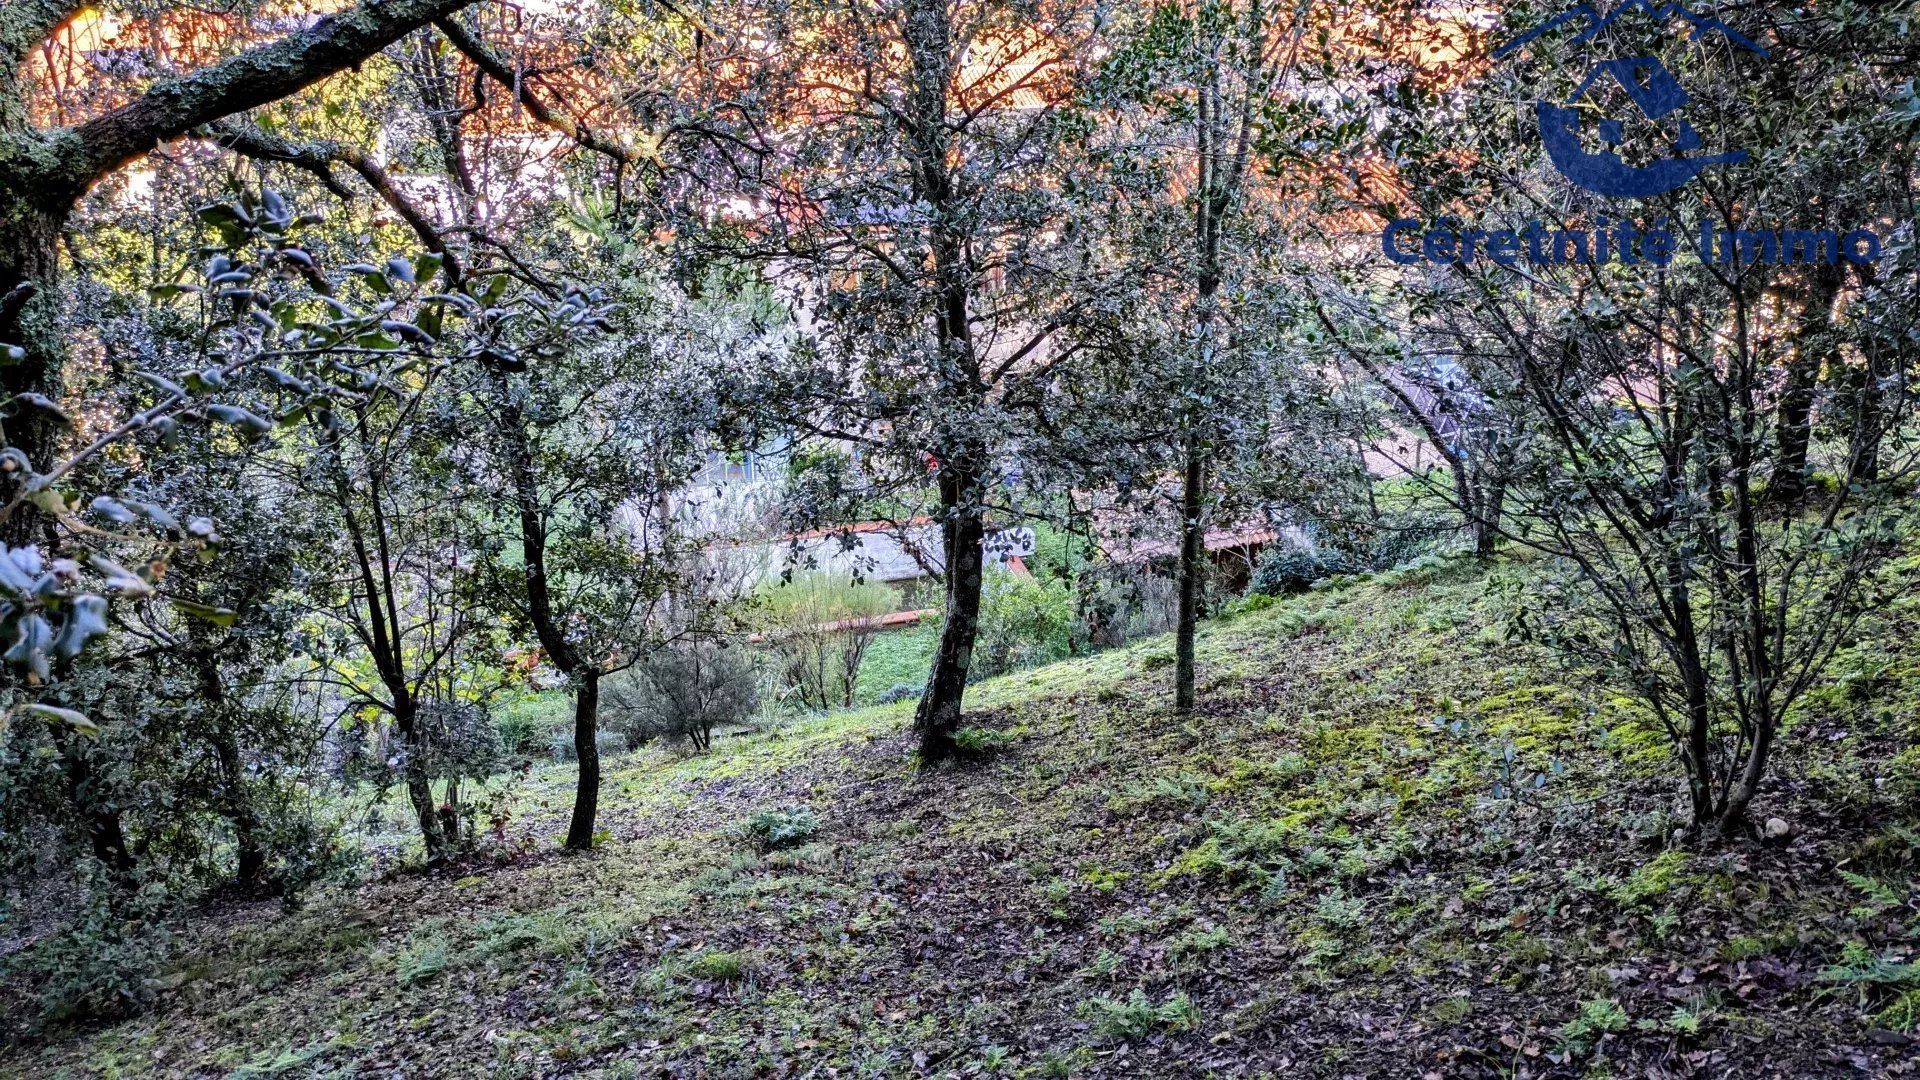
x=1193 y=552
x=586 y=748
x=386 y=643
x=561 y=653
x=106 y=837
x=1794 y=415
x=1488 y=506
x=419 y=787
x=1794 y=421
x=29 y=319
x=963 y=530
x=250 y=858
x=1863 y=438
x=933 y=57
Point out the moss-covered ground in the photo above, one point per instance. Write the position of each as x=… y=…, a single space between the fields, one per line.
x=1390 y=844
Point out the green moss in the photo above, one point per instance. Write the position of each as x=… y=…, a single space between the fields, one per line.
x=1653 y=880
x=1450 y=1011
x=717 y=966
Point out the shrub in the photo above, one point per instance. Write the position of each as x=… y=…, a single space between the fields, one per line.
x=684 y=692
x=819 y=625
x=1395 y=539
x=771 y=830
x=899 y=692
x=1119 y=604
x=560 y=743
x=1023 y=621
x=99 y=968
x=1405 y=536
x=523 y=724
x=1291 y=568
x=458 y=739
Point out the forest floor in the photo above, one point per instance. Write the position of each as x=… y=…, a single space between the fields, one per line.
x=1341 y=866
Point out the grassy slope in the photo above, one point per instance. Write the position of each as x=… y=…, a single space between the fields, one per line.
x=1309 y=878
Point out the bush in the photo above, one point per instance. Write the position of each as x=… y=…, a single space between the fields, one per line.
x=1403 y=537
x=1119 y=604
x=683 y=693
x=523 y=724
x=1023 y=621
x=1395 y=539
x=820 y=625
x=1292 y=568
x=606 y=740
x=771 y=830
x=101 y=966
x=900 y=692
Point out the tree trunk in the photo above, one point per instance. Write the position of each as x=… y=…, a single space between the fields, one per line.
x=586 y=747
x=250 y=858
x=450 y=816
x=1733 y=817
x=963 y=529
x=561 y=653
x=1795 y=422
x=1193 y=553
x=419 y=787
x=1863 y=441
x=106 y=837
x=1698 y=752
x=1794 y=414
x=1489 y=505
x=29 y=319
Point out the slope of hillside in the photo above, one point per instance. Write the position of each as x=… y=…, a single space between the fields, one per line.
x=1344 y=865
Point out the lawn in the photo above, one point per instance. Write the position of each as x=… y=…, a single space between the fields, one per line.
x=1342 y=865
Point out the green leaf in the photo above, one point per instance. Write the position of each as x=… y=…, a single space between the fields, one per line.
x=78 y=721
x=119 y=579
x=241 y=418
x=86 y=620
x=218 y=616
x=163 y=384
x=113 y=510
x=44 y=404
x=29 y=649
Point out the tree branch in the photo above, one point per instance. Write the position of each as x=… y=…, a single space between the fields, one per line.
x=319 y=158
x=257 y=77
x=515 y=80
x=25 y=24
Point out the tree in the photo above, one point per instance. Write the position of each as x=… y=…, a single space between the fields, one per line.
x=392 y=581
x=1651 y=407
x=43 y=171
x=904 y=154
x=586 y=466
x=1202 y=112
